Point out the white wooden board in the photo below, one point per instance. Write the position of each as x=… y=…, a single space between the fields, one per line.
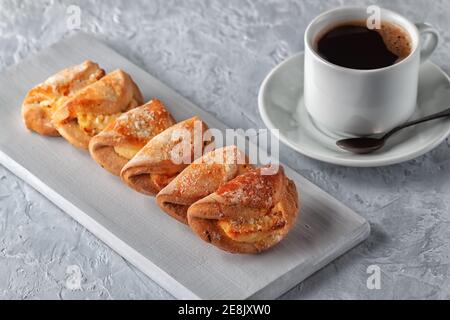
x=133 y=225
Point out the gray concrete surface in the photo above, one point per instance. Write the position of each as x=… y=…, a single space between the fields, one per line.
x=216 y=53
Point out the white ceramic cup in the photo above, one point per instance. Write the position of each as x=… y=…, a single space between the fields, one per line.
x=350 y=102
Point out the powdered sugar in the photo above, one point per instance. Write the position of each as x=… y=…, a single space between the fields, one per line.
x=144 y=122
x=250 y=189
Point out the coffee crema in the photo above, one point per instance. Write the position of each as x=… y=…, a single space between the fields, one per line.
x=353 y=45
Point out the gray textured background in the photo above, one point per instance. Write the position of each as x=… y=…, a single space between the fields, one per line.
x=216 y=53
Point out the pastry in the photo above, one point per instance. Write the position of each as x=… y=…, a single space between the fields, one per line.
x=128 y=134
x=45 y=98
x=249 y=214
x=165 y=156
x=200 y=179
x=93 y=108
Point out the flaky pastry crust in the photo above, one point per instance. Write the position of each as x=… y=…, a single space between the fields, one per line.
x=249 y=214
x=93 y=108
x=44 y=99
x=153 y=167
x=200 y=179
x=129 y=132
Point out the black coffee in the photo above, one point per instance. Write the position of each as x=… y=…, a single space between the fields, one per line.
x=355 y=46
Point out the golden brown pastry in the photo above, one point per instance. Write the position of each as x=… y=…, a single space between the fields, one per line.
x=249 y=214
x=128 y=134
x=93 y=108
x=165 y=156
x=42 y=101
x=200 y=179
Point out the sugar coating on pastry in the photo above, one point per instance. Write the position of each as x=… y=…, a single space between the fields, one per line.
x=200 y=179
x=169 y=140
x=249 y=214
x=165 y=156
x=95 y=107
x=144 y=122
x=71 y=80
x=223 y=163
x=43 y=100
x=128 y=134
x=139 y=125
x=251 y=189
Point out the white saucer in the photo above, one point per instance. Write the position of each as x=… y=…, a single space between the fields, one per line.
x=281 y=107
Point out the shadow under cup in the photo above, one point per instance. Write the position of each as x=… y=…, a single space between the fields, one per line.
x=351 y=102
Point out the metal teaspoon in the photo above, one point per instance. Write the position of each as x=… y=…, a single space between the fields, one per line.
x=369 y=145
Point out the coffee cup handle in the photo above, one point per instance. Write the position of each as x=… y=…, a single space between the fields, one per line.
x=431 y=40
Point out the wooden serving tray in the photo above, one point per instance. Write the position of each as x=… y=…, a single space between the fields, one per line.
x=133 y=225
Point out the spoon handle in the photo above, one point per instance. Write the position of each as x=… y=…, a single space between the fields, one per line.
x=439 y=115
